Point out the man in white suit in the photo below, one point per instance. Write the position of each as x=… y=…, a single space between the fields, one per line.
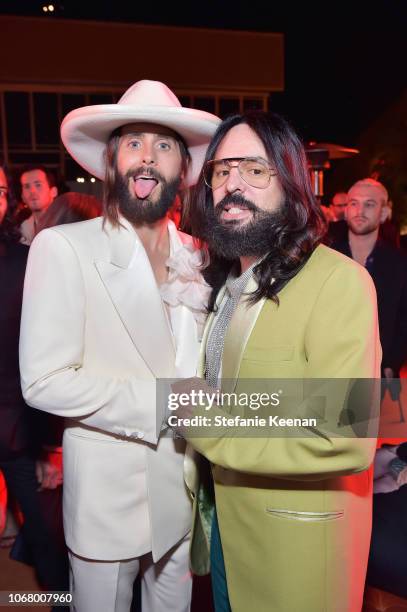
x=109 y=306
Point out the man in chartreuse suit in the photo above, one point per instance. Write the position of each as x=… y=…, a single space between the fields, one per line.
x=293 y=512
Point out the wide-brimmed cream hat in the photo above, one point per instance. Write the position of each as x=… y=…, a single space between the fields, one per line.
x=85 y=131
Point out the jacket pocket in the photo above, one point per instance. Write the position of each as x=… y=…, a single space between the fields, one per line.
x=269 y=353
x=297 y=515
x=97 y=436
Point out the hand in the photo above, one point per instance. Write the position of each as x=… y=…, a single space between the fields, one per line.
x=187 y=396
x=388 y=373
x=49 y=470
x=193 y=389
x=402 y=477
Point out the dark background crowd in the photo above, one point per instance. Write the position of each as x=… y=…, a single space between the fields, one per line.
x=349 y=88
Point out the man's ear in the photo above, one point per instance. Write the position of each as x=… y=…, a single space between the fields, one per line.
x=54 y=192
x=384 y=213
x=183 y=174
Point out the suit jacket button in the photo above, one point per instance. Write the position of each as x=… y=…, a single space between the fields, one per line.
x=137 y=434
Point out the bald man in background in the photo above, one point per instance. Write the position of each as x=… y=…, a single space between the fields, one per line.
x=367 y=209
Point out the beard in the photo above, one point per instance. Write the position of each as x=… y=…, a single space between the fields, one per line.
x=363 y=230
x=144 y=210
x=231 y=239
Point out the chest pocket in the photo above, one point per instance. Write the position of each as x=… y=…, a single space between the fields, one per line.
x=270 y=353
x=267 y=362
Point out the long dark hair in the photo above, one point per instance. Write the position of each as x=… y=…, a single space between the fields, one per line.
x=9 y=231
x=70 y=207
x=303 y=225
x=110 y=203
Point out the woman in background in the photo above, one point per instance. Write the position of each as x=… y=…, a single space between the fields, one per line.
x=30 y=453
x=70 y=207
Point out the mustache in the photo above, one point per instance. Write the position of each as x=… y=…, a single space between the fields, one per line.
x=144 y=171
x=235 y=199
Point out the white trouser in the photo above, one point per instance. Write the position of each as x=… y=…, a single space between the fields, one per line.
x=166 y=586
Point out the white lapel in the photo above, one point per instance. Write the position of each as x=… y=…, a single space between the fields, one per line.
x=130 y=282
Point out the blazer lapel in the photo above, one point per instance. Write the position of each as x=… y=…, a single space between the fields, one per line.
x=241 y=326
x=130 y=283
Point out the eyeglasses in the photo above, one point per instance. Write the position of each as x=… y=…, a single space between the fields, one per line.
x=255 y=171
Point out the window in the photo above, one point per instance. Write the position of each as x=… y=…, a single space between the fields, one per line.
x=47 y=120
x=100 y=99
x=252 y=104
x=31 y=157
x=228 y=106
x=33 y=120
x=207 y=103
x=72 y=101
x=185 y=101
x=18 y=119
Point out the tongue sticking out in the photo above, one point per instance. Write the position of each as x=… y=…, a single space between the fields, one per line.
x=144 y=187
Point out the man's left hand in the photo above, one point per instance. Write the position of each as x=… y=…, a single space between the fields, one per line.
x=189 y=388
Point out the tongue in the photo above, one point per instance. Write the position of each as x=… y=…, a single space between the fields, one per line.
x=144 y=187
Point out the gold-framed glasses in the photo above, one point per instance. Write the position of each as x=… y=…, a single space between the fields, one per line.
x=255 y=171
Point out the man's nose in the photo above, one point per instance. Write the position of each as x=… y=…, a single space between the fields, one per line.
x=148 y=154
x=234 y=181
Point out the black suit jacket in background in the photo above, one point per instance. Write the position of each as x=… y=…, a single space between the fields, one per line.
x=22 y=429
x=14 y=434
x=388 y=268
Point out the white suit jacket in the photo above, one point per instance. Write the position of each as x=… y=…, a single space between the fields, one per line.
x=94 y=337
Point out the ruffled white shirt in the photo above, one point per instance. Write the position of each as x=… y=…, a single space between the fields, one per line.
x=186 y=285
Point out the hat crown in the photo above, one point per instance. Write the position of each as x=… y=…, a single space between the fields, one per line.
x=149 y=93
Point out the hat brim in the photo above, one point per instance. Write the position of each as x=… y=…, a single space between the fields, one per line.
x=85 y=132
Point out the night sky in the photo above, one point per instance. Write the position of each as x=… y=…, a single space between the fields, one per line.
x=345 y=63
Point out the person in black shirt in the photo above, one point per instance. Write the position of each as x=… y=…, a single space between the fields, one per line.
x=366 y=210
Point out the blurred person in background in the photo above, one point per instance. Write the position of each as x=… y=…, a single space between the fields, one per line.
x=21 y=437
x=30 y=441
x=387 y=568
x=70 y=207
x=38 y=190
x=3 y=195
x=367 y=210
x=335 y=215
x=338 y=205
